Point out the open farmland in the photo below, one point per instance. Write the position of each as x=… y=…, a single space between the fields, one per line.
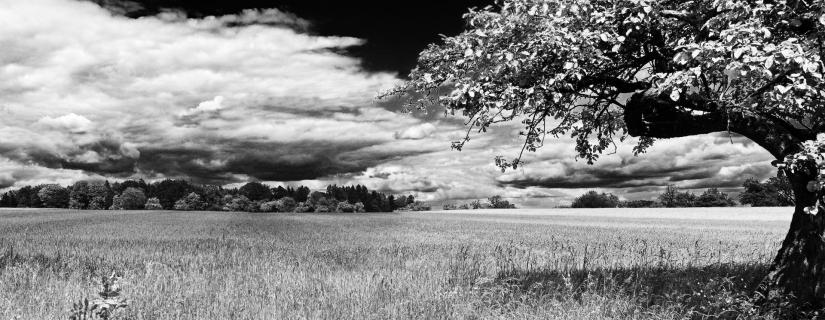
x=565 y=264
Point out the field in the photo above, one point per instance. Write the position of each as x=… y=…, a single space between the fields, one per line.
x=523 y=264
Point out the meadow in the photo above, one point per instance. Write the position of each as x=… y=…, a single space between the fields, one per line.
x=513 y=264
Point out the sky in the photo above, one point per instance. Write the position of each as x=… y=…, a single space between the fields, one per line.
x=284 y=92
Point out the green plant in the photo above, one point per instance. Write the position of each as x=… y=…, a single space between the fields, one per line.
x=104 y=307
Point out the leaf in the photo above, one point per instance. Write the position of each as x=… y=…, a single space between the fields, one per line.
x=674 y=95
x=769 y=62
x=738 y=52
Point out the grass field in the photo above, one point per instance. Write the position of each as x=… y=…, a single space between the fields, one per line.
x=561 y=264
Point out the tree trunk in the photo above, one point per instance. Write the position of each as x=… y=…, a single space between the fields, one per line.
x=798 y=271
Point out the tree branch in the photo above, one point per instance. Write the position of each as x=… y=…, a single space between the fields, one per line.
x=649 y=115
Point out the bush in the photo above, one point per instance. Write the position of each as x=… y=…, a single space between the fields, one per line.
x=638 y=204
x=153 y=204
x=130 y=199
x=191 y=202
x=238 y=203
x=286 y=204
x=416 y=206
x=344 y=206
x=714 y=198
x=269 y=206
x=496 y=202
x=322 y=209
x=303 y=207
x=593 y=199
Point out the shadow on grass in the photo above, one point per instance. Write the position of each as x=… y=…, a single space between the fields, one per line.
x=721 y=291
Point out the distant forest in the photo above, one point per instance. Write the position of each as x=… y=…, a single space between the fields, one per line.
x=774 y=192
x=182 y=195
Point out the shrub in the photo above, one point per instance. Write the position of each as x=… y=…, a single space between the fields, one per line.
x=238 y=203
x=322 y=209
x=496 y=202
x=269 y=206
x=637 y=204
x=153 y=204
x=359 y=207
x=191 y=202
x=714 y=198
x=130 y=199
x=303 y=207
x=344 y=206
x=593 y=199
x=286 y=204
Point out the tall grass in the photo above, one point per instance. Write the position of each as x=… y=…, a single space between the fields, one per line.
x=201 y=265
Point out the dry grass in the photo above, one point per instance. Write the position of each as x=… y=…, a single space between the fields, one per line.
x=200 y=265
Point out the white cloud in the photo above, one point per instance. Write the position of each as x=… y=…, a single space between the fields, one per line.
x=416 y=132
x=71 y=122
x=205 y=107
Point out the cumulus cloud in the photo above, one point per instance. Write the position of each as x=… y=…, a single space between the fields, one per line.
x=416 y=132
x=71 y=122
x=205 y=107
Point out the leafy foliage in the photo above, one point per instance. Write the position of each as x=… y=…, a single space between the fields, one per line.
x=130 y=199
x=54 y=196
x=774 y=192
x=599 y=71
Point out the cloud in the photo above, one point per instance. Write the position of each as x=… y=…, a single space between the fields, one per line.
x=71 y=122
x=416 y=132
x=205 y=107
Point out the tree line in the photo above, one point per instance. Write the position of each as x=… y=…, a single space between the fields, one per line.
x=774 y=192
x=494 y=202
x=172 y=194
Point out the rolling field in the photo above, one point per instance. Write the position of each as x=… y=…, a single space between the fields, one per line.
x=514 y=264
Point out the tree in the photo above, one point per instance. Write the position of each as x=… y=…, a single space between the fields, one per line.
x=79 y=195
x=600 y=71
x=668 y=198
x=153 y=204
x=772 y=193
x=256 y=191
x=99 y=196
x=593 y=199
x=237 y=203
x=169 y=191
x=714 y=198
x=8 y=200
x=191 y=202
x=54 y=196
x=286 y=204
x=130 y=199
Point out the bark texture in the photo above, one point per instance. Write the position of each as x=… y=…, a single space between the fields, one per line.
x=798 y=271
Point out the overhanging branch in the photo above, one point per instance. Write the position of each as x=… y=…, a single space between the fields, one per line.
x=649 y=115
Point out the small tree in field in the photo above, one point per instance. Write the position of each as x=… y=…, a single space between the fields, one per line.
x=601 y=71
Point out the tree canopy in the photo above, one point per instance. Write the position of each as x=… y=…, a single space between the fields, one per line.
x=600 y=71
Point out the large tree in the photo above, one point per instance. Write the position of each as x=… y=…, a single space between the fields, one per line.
x=600 y=71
